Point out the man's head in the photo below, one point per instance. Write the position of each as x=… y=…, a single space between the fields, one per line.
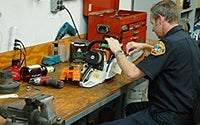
x=164 y=16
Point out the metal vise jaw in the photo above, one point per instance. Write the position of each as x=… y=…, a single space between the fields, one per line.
x=38 y=110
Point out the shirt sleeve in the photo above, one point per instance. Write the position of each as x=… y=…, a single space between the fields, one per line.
x=154 y=65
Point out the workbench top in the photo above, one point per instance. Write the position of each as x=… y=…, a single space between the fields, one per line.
x=72 y=99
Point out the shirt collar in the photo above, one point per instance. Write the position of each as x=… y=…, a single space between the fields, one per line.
x=173 y=30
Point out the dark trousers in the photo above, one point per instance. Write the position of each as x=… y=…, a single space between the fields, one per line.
x=135 y=107
x=145 y=114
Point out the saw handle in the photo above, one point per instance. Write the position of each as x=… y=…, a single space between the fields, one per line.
x=86 y=73
x=92 y=43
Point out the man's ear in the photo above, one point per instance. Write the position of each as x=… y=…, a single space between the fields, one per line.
x=161 y=19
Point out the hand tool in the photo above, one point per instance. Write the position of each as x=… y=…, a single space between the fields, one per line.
x=46 y=81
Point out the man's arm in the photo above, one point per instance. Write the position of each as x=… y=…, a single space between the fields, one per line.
x=131 y=71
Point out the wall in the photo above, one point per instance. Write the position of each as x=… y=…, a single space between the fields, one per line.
x=126 y=4
x=33 y=23
x=143 y=5
x=34 y=54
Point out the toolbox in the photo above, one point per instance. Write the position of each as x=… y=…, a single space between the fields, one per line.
x=105 y=18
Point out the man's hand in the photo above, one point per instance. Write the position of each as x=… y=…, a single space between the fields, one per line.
x=114 y=44
x=132 y=47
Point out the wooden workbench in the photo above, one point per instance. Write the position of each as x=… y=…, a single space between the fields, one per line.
x=73 y=102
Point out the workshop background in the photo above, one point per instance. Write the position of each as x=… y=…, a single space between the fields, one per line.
x=32 y=21
x=37 y=21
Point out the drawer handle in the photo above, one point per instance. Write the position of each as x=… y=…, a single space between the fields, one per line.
x=135 y=32
x=134 y=18
x=143 y=23
x=136 y=26
x=134 y=37
x=103 y=28
x=124 y=27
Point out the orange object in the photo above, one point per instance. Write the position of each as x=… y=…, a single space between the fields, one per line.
x=107 y=53
x=71 y=73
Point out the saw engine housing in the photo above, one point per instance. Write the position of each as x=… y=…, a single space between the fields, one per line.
x=100 y=64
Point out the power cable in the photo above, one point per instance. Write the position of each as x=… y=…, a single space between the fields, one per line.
x=63 y=7
x=18 y=45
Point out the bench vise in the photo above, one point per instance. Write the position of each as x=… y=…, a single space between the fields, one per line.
x=38 y=110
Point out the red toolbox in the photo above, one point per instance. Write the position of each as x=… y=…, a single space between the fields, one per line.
x=104 y=17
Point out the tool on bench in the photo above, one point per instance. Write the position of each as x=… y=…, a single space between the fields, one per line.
x=72 y=73
x=38 y=110
x=100 y=64
x=65 y=28
x=46 y=81
x=37 y=70
x=135 y=56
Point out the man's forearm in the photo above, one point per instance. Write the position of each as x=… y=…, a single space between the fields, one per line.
x=147 y=46
x=129 y=69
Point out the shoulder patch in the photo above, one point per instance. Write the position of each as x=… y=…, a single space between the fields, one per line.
x=158 y=49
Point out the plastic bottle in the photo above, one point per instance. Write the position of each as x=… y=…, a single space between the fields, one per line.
x=55 y=49
x=33 y=71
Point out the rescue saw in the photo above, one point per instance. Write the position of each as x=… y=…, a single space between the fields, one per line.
x=101 y=63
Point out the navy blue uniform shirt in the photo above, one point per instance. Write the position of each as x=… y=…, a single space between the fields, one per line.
x=173 y=73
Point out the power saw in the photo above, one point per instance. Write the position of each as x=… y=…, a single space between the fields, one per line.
x=100 y=65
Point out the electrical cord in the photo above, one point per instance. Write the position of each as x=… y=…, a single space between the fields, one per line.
x=63 y=7
x=18 y=45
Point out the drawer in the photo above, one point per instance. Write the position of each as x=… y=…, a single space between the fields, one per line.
x=137 y=25
x=136 y=38
x=134 y=31
x=141 y=37
x=114 y=23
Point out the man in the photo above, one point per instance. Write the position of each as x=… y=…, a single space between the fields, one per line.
x=172 y=68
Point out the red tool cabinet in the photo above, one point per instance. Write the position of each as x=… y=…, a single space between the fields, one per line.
x=104 y=17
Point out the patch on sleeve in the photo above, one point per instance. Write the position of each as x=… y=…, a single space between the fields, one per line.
x=158 y=49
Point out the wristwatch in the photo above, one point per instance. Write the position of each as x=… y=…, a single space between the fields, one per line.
x=119 y=52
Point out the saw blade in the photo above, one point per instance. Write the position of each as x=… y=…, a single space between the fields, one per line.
x=95 y=77
x=113 y=69
x=134 y=56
